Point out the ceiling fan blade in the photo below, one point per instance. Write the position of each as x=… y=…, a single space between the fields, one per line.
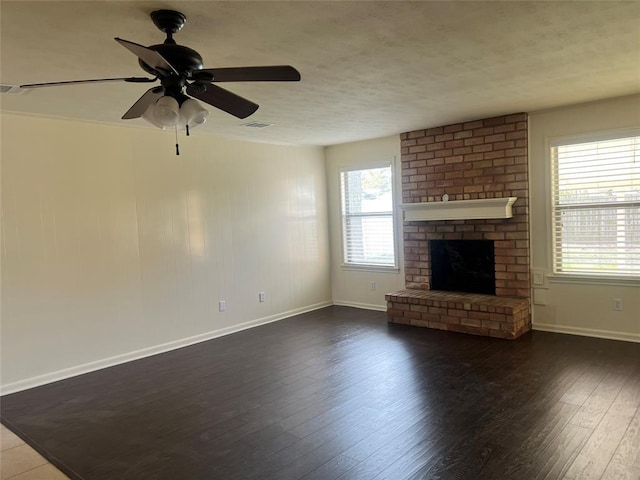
x=224 y=100
x=274 y=73
x=148 y=56
x=138 y=108
x=95 y=80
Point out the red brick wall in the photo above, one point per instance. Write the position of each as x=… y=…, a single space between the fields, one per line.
x=473 y=160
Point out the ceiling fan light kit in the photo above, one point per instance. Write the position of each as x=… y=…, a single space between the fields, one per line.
x=192 y=113
x=183 y=79
x=149 y=116
x=166 y=111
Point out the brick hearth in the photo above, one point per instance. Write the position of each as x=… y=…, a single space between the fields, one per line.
x=474 y=313
x=468 y=161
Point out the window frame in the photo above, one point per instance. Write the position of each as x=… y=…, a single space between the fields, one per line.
x=569 y=277
x=364 y=266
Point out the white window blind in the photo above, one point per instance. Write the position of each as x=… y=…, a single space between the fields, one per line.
x=367 y=216
x=596 y=207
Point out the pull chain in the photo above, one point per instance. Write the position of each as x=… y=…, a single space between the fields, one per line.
x=177 y=146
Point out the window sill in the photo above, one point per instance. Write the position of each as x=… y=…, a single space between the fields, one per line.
x=371 y=268
x=594 y=280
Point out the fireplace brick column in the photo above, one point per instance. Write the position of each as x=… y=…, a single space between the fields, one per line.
x=468 y=161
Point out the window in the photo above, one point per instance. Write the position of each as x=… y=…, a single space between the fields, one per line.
x=596 y=206
x=367 y=216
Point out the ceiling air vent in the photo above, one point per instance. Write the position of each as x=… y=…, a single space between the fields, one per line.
x=257 y=124
x=10 y=89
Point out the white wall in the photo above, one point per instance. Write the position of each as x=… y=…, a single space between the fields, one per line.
x=113 y=247
x=581 y=308
x=352 y=287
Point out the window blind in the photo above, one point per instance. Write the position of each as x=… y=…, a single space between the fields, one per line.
x=596 y=207
x=367 y=216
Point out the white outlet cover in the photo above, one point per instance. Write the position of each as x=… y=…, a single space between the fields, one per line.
x=538 y=277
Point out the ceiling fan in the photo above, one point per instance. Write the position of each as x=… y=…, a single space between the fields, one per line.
x=182 y=76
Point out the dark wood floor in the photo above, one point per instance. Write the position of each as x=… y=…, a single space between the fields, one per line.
x=339 y=393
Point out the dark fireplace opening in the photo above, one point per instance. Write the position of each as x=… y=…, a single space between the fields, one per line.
x=463 y=266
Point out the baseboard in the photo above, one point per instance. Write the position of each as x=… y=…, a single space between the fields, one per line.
x=588 y=332
x=149 y=351
x=366 y=306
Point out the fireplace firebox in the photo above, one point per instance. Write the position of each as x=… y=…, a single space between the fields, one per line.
x=463 y=266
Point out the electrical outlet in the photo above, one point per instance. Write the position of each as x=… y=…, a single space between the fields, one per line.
x=617 y=304
x=222 y=306
x=373 y=285
x=261 y=297
x=537 y=276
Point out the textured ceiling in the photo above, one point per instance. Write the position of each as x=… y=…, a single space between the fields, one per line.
x=369 y=69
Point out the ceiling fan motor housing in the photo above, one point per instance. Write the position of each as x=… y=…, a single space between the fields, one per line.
x=183 y=59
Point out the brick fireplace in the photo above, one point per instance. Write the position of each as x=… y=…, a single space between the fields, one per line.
x=483 y=159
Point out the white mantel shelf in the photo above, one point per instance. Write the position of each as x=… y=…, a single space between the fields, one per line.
x=459 y=209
